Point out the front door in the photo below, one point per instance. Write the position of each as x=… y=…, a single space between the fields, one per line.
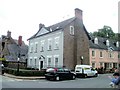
x=41 y=64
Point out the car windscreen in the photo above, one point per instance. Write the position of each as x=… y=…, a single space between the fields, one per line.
x=79 y=68
x=50 y=70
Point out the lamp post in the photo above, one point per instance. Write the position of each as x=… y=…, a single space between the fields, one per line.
x=18 y=63
x=82 y=60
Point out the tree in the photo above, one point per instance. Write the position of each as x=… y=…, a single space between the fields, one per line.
x=117 y=36
x=105 y=32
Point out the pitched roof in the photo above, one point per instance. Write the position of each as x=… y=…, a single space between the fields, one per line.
x=14 y=50
x=55 y=27
x=102 y=44
x=62 y=24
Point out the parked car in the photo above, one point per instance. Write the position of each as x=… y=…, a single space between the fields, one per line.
x=59 y=74
x=85 y=71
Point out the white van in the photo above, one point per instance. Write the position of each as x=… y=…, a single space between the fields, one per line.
x=85 y=70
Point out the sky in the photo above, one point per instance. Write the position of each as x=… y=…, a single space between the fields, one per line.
x=22 y=17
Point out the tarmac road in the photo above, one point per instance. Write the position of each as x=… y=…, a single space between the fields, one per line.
x=102 y=81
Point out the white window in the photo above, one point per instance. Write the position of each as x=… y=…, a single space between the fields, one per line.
x=56 y=60
x=49 y=44
x=30 y=62
x=93 y=53
x=42 y=45
x=101 y=64
x=56 y=46
x=96 y=40
x=111 y=54
x=31 y=49
x=49 y=61
x=110 y=65
x=35 y=62
x=71 y=30
x=117 y=44
x=101 y=54
x=36 y=46
x=107 y=43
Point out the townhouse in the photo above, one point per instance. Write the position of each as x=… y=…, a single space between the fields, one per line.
x=104 y=53
x=64 y=44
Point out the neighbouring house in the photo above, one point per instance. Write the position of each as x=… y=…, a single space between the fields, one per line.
x=104 y=53
x=63 y=44
x=11 y=49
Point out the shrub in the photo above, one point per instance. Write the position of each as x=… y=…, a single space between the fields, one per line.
x=23 y=72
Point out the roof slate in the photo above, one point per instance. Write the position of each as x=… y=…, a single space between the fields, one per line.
x=55 y=27
x=101 y=44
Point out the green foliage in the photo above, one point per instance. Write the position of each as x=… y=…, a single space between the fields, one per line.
x=23 y=72
x=106 y=32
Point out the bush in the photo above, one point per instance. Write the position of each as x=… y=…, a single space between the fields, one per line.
x=23 y=72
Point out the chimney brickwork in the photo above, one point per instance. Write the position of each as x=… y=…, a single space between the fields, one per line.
x=20 y=40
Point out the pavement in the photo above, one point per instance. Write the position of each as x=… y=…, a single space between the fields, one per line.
x=23 y=77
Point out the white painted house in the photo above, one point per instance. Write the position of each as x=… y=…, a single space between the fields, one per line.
x=46 y=51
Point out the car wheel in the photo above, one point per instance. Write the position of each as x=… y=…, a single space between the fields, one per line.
x=96 y=75
x=73 y=77
x=85 y=75
x=57 y=78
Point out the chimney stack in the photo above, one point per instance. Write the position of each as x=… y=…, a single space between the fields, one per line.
x=41 y=25
x=78 y=13
x=8 y=34
x=20 y=40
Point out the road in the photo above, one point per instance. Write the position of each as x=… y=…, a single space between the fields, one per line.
x=102 y=81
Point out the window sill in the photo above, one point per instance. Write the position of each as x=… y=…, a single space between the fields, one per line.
x=49 y=50
x=56 y=48
x=41 y=51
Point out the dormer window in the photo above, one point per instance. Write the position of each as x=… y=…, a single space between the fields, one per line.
x=71 y=30
x=117 y=44
x=96 y=40
x=50 y=29
x=107 y=43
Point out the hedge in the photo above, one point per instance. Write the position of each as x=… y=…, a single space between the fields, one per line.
x=23 y=72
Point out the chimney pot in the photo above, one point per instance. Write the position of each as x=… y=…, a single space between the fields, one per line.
x=8 y=33
x=20 y=40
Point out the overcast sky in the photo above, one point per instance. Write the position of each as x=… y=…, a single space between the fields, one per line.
x=22 y=17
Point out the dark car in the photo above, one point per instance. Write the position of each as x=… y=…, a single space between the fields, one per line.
x=59 y=74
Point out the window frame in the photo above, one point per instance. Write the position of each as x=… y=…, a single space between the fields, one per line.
x=42 y=45
x=49 y=44
x=57 y=39
x=93 y=54
x=56 y=56
x=101 y=54
x=72 y=30
x=49 y=58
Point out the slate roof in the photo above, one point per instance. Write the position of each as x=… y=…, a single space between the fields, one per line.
x=62 y=24
x=13 y=48
x=102 y=44
x=55 y=27
x=59 y=26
